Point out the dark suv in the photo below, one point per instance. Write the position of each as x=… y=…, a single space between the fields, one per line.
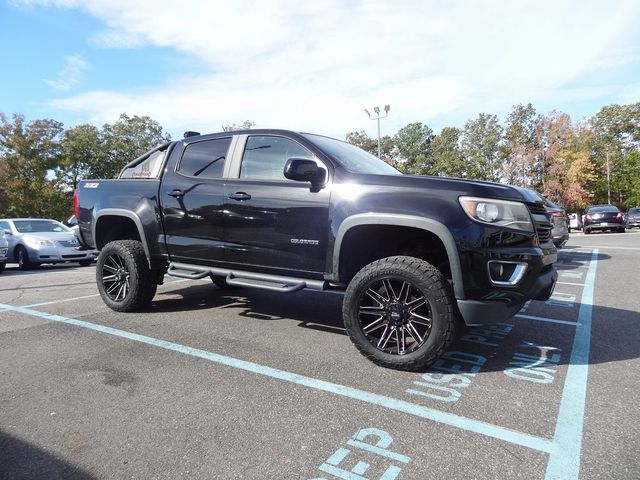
x=603 y=217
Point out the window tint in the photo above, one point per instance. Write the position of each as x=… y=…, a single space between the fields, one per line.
x=205 y=159
x=34 y=226
x=148 y=168
x=264 y=157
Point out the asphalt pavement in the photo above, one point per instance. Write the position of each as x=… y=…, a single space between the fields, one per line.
x=250 y=384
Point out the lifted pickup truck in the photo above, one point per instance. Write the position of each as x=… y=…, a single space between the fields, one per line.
x=284 y=211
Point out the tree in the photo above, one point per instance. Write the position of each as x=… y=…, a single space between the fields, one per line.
x=28 y=152
x=413 y=143
x=481 y=146
x=448 y=158
x=82 y=151
x=124 y=141
x=616 y=131
x=521 y=165
x=632 y=169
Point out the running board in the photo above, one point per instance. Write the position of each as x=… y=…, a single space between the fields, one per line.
x=274 y=283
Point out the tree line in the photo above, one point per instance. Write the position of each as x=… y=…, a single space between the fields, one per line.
x=41 y=162
x=564 y=160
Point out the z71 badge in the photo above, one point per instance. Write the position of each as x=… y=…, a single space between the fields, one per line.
x=304 y=241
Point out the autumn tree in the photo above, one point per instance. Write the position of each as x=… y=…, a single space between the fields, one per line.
x=232 y=127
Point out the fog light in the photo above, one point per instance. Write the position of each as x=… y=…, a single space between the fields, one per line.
x=506 y=273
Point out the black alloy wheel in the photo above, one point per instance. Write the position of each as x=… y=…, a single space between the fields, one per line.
x=400 y=312
x=125 y=281
x=394 y=316
x=115 y=277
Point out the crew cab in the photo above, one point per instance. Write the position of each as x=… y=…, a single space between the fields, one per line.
x=284 y=211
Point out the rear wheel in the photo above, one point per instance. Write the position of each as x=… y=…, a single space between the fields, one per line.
x=2 y=267
x=587 y=231
x=125 y=281
x=400 y=313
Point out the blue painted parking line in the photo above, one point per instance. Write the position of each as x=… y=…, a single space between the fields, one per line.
x=564 y=461
x=438 y=416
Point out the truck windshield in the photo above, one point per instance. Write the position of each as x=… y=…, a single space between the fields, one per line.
x=351 y=157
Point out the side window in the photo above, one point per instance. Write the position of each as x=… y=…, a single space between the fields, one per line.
x=148 y=168
x=264 y=157
x=205 y=159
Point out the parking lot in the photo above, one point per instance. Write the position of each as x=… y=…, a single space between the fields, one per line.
x=250 y=384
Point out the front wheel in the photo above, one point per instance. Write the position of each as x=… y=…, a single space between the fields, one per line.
x=85 y=263
x=125 y=281
x=22 y=256
x=2 y=267
x=400 y=313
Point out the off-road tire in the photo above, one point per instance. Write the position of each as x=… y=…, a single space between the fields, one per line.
x=423 y=278
x=143 y=282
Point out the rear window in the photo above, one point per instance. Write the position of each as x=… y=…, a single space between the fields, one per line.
x=603 y=209
x=205 y=159
x=148 y=168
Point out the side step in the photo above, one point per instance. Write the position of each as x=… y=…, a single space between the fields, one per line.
x=240 y=278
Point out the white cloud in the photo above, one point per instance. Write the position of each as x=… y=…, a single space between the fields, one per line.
x=69 y=75
x=316 y=65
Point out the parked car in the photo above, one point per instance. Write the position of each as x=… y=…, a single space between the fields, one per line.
x=603 y=217
x=4 y=247
x=560 y=225
x=33 y=241
x=575 y=222
x=632 y=219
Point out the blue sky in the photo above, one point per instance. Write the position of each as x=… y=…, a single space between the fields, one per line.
x=314 y=66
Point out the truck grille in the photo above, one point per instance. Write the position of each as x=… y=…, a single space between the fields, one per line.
x=536 y=209
x=543 y=228
x=544 y=233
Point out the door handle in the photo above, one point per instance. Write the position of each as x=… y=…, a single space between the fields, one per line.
x=176 y=193
x=240 y=196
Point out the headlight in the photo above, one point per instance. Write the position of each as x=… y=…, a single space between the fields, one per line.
x=501 y=213
x=35 y=242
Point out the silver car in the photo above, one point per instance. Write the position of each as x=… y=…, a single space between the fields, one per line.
x=33 y=241
x=4 y=247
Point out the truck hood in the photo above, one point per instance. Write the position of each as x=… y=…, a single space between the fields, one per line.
x=457 y=186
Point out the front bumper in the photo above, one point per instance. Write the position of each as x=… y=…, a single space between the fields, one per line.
x=491 y=303
x=59 y=254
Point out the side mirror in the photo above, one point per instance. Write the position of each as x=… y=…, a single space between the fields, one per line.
x=304 y=170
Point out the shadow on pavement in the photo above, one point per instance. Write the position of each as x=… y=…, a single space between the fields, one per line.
x=20 y=460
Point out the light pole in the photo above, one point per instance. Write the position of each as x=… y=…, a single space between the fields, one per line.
x=608 y=180
x=376 y=110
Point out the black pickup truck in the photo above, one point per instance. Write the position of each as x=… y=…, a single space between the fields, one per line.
x=283 y=211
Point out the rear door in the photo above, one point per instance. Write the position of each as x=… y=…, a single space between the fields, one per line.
x=271 y=221
x=192 y=200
